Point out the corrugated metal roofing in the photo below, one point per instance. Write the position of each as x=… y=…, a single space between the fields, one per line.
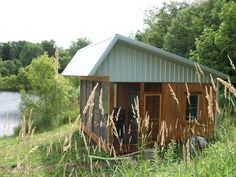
x=96 y=60
x=126 y=63
x=86 y=58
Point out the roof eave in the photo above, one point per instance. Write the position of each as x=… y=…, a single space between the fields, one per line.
x=103 y=56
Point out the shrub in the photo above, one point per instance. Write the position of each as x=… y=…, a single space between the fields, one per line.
x=49 y=96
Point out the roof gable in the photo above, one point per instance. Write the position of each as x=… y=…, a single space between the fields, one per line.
x=88 y=60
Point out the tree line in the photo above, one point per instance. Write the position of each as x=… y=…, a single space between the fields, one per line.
x=204 y=31
x=16 y=56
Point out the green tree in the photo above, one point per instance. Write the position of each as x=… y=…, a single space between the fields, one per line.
x=49 y=47
x=78 y=44
x=226 y=36
x=65 y=55
x=22 y=79
x=17 y=47
x=64 y=58
x=13 y=66
x=207 y=52
x=3 y=70
x=30 y=51
x=50 y=96
x=213 y=46
x=6 y=51
x=188 y=24
x=157 y=22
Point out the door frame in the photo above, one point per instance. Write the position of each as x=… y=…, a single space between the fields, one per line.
x=160 y=111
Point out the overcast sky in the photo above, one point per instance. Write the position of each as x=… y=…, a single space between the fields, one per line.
x=66 y=20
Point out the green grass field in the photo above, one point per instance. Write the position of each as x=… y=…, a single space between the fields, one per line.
x=42 y=155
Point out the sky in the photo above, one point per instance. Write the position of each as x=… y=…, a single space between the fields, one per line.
x=67 y=20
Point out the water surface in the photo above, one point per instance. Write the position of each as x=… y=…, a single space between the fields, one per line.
x=9 y=112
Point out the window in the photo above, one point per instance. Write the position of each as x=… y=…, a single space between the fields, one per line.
x=192 y=108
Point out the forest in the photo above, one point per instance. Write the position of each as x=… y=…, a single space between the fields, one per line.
x=50 y=140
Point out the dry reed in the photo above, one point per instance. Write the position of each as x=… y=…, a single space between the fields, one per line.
x=173 y=94
x=227 y=85
x=212 y=82
x=189 y=128
x=163 y=133
x=199 y=72
x=188 y=93
x=100 y=103
x=210 y=100
x=231 y=63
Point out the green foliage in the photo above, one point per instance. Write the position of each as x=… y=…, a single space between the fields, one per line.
x=14 y=56
x=75 y=154
x=204 y=31
x=64 y=58
x=30 y=51
x=22 y=79
x=65 y=55
x=213 y=46
x=158 y=22
x=49 y=97
x=9 y=83
x=218 y=159
x=184 y=28
x=41 y=75
x=170 y=152
x=9 y=67
x=45 y=154
x=48 y=47
x=6 y=51
x=78 y=44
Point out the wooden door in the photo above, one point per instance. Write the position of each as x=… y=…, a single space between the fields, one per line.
x=152 y=105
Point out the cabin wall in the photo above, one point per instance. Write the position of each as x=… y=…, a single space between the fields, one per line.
x=174 y=115
x=98 y=122
x=171 y=113
x=126 y=63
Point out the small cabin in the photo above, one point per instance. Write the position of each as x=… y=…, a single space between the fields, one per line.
x=171 y=90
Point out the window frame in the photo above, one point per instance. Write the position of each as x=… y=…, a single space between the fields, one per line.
x=188 y=107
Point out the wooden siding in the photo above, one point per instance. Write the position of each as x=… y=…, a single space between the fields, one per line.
x=170 y=112
x=174 y=115
x=95 y=78
x=126 y=63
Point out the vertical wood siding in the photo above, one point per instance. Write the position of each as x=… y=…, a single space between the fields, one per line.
x=174 y=115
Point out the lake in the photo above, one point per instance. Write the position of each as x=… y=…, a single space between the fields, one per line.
x=9 y=112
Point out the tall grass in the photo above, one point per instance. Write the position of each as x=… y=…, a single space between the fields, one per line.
x=73 y=153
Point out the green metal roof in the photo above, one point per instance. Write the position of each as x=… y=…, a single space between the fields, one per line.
x=91 y=59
